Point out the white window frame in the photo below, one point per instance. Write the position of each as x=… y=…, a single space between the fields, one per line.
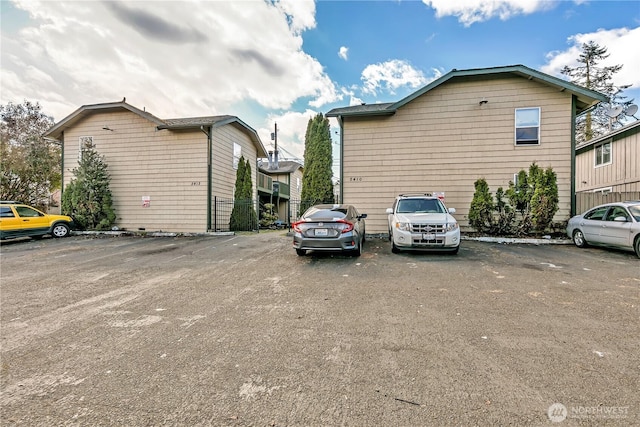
x=237 y=153
x=603 y=190
x=595 y=154
x=82 y=145
x=537 y=125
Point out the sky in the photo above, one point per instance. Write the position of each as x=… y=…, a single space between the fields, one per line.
x=285 y=61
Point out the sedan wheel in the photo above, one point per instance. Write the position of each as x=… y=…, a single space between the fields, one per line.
x=636 y=246
x=358 y=250
x=60 y=230
x=578 y=239
x=301 y=252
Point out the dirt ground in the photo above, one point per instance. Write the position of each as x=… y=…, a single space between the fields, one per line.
x=239 y=331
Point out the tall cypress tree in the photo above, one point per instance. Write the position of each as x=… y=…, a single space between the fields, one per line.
x=243 y=215
x=316 y=179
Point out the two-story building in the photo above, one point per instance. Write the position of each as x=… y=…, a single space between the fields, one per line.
x=166 y=174
x=468 y=124
x=280 y=184
x=608 y=167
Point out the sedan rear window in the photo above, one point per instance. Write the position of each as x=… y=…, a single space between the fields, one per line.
x=326 y=214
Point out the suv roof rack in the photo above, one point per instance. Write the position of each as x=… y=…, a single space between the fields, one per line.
x=12 y=202
x=416 y=194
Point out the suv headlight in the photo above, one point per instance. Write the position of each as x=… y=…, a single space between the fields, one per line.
x=404 y=226
x=452 y=226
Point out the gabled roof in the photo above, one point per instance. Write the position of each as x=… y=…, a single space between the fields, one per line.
x=195 y=123
x=626 y=130
x=56 y=130
x=585 y=97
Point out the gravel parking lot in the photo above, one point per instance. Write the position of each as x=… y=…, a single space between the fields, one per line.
x=239 y=331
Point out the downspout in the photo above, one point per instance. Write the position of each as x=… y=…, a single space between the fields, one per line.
x=573 y=156
x=209 y=172
x=61 y=169
x=341 y=187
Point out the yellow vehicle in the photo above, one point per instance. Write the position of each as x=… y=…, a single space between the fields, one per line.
x=20 y=220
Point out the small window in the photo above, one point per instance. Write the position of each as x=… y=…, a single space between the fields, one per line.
x=603 y=154
x=237 y=153
x=528 y=126
x=85 y=142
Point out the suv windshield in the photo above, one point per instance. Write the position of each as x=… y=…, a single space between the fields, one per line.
x=420 y=206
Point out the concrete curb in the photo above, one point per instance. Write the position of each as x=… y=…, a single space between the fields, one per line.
x=150 y=233
x=517 y=240
x=486 y=239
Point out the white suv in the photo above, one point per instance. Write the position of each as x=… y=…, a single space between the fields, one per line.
x=422 y=222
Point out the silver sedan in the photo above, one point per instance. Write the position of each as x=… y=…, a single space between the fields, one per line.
x=615 y=225
x=330 y=228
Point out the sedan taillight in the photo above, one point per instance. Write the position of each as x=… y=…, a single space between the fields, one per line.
x=347 y=227
x=296 y=226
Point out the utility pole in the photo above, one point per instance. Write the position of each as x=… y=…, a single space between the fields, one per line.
x=274 y=138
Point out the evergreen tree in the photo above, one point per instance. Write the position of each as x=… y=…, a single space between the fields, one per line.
x=588 y=74
x=87 y=199
x=481 y=209
x=243 y=215
x=316 y=179
x=544 y=200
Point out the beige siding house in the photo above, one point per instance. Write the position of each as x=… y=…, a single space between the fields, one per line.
x=610 y=163
x=165 y=174
x=481 y=123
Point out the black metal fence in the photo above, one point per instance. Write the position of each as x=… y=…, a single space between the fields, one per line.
x=245 y=215
x=234 y=215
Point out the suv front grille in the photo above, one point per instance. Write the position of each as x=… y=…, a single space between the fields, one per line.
x=428 y=228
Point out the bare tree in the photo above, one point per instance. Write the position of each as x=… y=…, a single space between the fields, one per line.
x=30 y=164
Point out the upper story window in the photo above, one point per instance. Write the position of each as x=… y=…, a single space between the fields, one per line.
x=237 y=153
x=603 y=154
x=84 y=143
x=528 y=126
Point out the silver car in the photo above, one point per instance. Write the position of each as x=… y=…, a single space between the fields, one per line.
x=615 y=225
x=330 y=228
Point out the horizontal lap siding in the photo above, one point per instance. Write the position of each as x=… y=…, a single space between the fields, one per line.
x=444 y=141
x=169 y=167
x=622 y=174
x=224 y=175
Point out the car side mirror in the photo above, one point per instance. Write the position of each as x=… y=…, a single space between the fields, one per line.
x=452 y=210
x=620 y=219
x=362 y=216
x=389 y=211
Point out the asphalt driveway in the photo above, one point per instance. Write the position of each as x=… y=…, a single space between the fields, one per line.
x=238 y=330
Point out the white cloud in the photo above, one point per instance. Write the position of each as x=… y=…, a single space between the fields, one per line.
x=343 y=52
x=390 y=76
x=292 y=128
x=471 y=11
x=622 y=46
x=176 y=59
